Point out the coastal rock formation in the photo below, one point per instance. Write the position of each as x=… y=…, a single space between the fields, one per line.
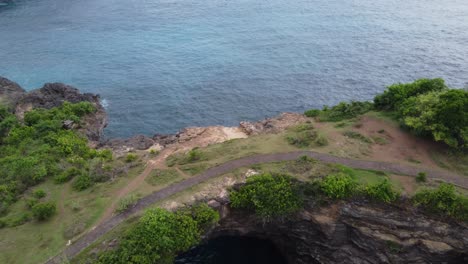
x=272 y=125
x=10 y=92
x=138 y=142
x=355 y=232
x=53 y=95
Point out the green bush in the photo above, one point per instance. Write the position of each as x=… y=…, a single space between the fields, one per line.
x=157 y=237
x=312 y=113
x=39 y=193
x=421 y=177
x=204 y=215
x=443 y=201
x=382 y=192
x=338 y=186
x=321 y=141
x=398 y=93
x=43 y=211
x=82 y=182
x=302 y=139
x=344 y=111
x=126 y=203
x=268 y=195
x=67 y=175
x=35 y=149
x=131 y=157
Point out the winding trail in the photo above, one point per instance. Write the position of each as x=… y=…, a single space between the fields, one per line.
x=90 y=237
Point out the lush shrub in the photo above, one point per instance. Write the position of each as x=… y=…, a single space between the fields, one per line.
x=444 y=201
x=157 y=237
x=268 y=195
x=39 y=193
x=344 y=111
x=421 y=177
x=126 y=203
x=37 y=148
x=382 y=192
x=398 y=93
x=321 y=141
x=204 y=215
x=67 y=175
x=312 y=113
x=302 y=139
x=131 y=157
x=338 y=186
x=441 y=115
x=82 y=182
x=43 y=211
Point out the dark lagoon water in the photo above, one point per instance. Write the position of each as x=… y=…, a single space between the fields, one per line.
x=233 y=250
x=162 y=65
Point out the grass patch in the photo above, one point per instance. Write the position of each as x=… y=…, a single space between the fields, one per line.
x=163 y=177
x=358 y=136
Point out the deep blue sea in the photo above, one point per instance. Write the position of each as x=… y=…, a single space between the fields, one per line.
x=162 y=65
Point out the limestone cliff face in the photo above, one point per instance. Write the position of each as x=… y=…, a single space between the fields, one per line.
x=356 y=233
x=53 y=95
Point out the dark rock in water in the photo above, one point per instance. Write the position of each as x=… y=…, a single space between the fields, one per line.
x=54 y=94
x=139 y=142
x=355 y=233
x=10 y=92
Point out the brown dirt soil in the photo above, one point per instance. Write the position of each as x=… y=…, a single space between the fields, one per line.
x=408 y=183
x=191 y=138
x=401 y=146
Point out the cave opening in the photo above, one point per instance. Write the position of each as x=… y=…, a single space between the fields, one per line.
x=233 y=250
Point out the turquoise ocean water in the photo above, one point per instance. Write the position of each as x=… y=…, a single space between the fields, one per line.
x=163 y=65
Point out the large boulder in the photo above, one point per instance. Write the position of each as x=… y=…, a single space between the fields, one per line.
x=10 y=92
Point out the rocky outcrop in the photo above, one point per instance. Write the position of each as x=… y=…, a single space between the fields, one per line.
x=139 y=142
x=10 y=92
x=53 y=95
x=355 y=233
x=272 y=125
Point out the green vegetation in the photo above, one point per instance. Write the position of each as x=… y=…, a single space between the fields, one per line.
x=382 y=192
x=268 y=195
x=304 y=135
x=39 y=193
x=159 y=235
x=340 y=111
x=358 y=136
x=338 y=186
x=40 y=147
x=421 y=177
x=428 y=108
x=163 y=177
x=443 y=201
x=126 y=203
x=398 y=93
x=203 y=215
x=131 y=157
x=43 y=211
x=192 y=156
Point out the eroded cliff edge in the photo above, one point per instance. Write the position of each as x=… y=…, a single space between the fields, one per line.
x=354 y=232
